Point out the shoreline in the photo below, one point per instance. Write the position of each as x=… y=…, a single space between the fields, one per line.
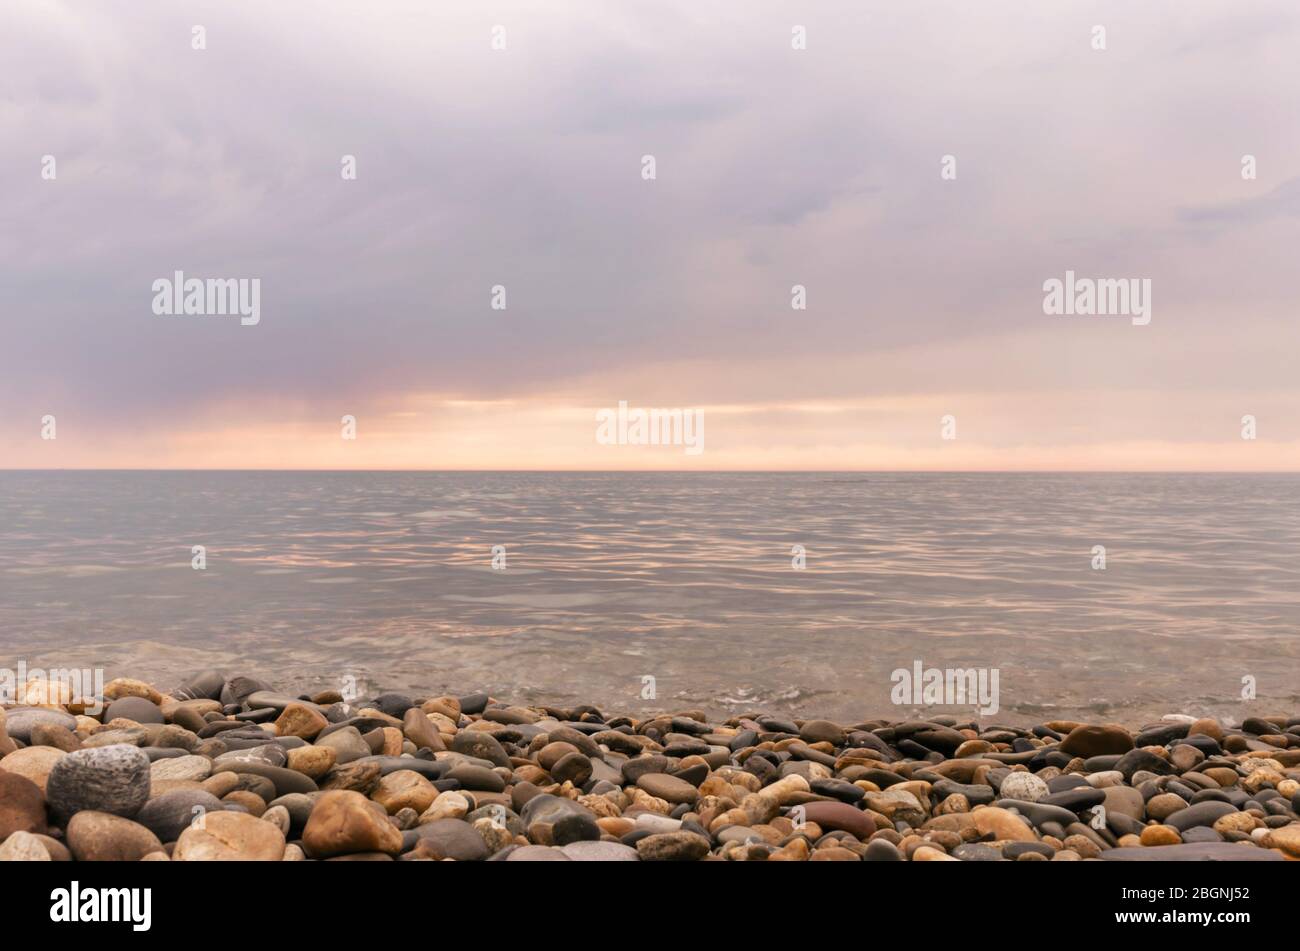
x=229 y=768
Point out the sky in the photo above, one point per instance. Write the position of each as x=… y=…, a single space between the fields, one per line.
x=523 y=168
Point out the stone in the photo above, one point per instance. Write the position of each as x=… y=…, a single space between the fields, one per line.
x=1160 y=835
x=1286 y=838
x=300 y=720
x=551 y=820
x=600 y=852
x=822 y=731
x=34 y=764
x=841 y=816
x=20 y=720
x=448 y=805
x=194 y=768
x=133 y=708
x=882 y=850
x=1025 y=787
x=1141 y=760
x=22 y=807
x=58 y=737
x=451 y=839
x=1124 y=801
x=112 y=779
x=537 y=853
x=171 y=813
x=312 y=761
x=419 y=729
x=1199 y=814
x=672 y=847
x=1002 y=824
x=343 y=821
x=1163 y=806
x=103 y=837
x=346 y=743
x=574 y=768
x=668 y=788
x=121 y=687
x=23 y=847
x=1089 y=741
x=231 y=837
x=480 y=745
x=404 y=789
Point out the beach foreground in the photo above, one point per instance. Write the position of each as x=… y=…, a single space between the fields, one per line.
x=226 y=768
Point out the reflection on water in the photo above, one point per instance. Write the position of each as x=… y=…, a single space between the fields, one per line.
x=683 y=577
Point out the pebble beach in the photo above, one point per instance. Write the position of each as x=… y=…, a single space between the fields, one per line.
x=226 y=768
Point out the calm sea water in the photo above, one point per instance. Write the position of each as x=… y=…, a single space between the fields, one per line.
x=686 y=578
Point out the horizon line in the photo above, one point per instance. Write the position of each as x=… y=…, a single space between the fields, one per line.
x=672 y=471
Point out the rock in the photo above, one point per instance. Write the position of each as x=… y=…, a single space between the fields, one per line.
x=668 y=788
x=22 y=807
x=192 y=768
x=451 y=839
x=171 y=813
x=312 y=761
x=550 y=820
x=477 y=777
x=574 y=768
x=205 y=685
x=112 y=779
x=1200 y=814
x=1286 y=838
x=343 y=821
x=59 y=737
x=672 y=847
x=882 y=850
x=1002 y=824
x=1142 y=760
x=480 y=745
x=1163 y=806
x=230 y=836
x=1089 y=741
x=125 y=687
x=404 y=789
x=133 y=708
x=537 y=853
x=1023 y=786
x=600 y=852
x=19 y=721
x=841 y=816
x=23 y=847
x=33 y=763
x=1125 y=801
x=300 y=720
x=419 y=729
x=822 y=731
x=103 y=837
x=347 y=745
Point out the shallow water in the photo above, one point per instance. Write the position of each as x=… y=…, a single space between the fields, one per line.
x=686 y=578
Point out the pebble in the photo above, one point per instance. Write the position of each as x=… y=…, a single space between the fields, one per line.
x=475 y=778
x=343 y=821
x=23 y=847
x=230 y=836
x=112 y=779
x=103 y=837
